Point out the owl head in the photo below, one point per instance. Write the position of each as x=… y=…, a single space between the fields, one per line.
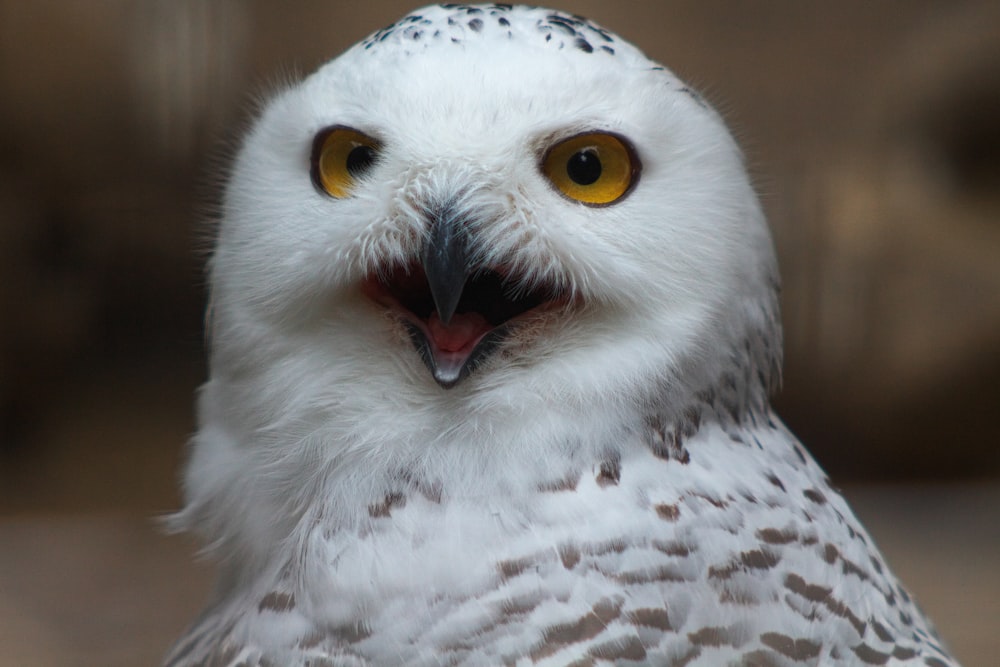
x=482 y=245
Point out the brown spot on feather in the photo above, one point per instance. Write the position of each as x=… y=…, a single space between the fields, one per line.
x=627 y=648
x=671 y=548
x=775 y=536
x=667 y=512
x=586 y=627
x=666 y=442
x=796 y=649
x=819 y=594
x=654 y=574
x=761 y=658
x=609 y=474
x=651 y=617
x=277 y=601
x=566 y=484
x=570 y=555
x=815 y=496
x=759 y=559
x=715 y=636
x=513 y=568
x=869 y=655
x=383 y=509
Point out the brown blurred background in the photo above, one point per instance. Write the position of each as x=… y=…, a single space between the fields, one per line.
x=872 y=131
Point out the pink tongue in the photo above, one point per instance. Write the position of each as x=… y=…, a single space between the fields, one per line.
x=464 y=331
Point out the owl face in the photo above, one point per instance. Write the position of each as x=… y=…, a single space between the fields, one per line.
x=495 y=214
x=477 y=250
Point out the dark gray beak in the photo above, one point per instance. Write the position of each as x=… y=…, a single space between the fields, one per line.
x=446 y=261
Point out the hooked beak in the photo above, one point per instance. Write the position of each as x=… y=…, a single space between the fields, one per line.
x=456 y=310
x=446 y=263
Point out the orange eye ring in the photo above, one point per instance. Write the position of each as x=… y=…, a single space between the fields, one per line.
x=340 y=157
x=594 y=168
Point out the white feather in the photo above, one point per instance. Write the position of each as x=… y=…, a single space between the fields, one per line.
x=611 y=484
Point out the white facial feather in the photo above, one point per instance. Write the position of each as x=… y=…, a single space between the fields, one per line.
x=611 y=411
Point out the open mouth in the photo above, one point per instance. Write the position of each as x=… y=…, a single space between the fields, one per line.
x=487 y=310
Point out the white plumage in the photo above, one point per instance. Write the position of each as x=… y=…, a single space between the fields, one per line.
x=494 y=328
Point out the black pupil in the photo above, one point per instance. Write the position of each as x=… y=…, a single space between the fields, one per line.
x=584 y=167
x=359 y=159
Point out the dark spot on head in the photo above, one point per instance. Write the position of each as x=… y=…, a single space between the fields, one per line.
x=561 y=24
x=773 y=479
x=476 y=25
x=815 y=496
x=583 y=45
x=605 y=35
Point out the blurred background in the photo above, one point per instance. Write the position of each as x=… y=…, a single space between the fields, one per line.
x=872 y=131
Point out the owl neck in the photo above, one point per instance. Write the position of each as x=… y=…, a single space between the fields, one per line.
x=268 y=493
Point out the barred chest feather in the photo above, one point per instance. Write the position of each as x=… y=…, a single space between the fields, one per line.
x=731 y=549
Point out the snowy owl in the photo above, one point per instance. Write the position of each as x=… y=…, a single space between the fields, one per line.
x=493 y=329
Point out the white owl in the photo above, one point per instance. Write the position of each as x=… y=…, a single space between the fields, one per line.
x=493 y=332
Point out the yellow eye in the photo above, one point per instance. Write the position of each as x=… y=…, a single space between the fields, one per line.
x=341 y=156
x=595 y=168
